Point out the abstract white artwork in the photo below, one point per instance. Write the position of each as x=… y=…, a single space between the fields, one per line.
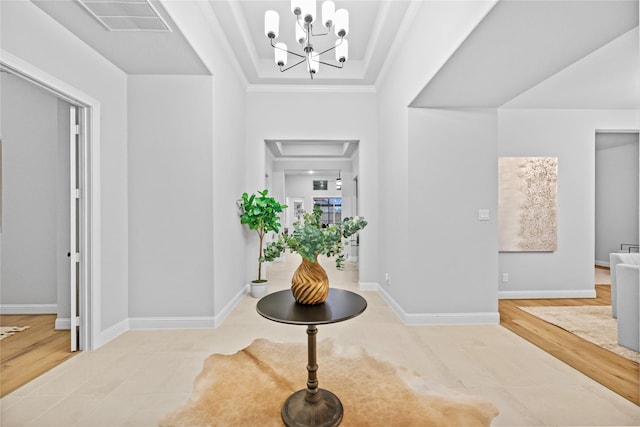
x=527 y=204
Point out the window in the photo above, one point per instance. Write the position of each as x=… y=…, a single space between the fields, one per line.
x=331 y=209
x=320 y=184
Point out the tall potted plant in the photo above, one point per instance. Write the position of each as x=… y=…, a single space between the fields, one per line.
x=261 y=213
x=310 y=284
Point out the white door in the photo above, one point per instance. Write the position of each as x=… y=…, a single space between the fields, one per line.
x=73 y=215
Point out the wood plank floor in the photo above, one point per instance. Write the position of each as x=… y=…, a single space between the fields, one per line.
x=615 y=372
x=32 y=352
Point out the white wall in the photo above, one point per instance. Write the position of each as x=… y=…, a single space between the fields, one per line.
x=30 y=212
x=404 y=77
x=170 y=196
x=453 y=256
x=230 y=157
x=570 y=136
x=275 y=114
x=302 y=186
x=29 y=34
x=616 y=193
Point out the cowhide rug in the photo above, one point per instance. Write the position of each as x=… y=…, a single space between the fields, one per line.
x=248 y=388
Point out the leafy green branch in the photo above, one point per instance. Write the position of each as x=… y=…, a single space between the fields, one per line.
x=310 y=239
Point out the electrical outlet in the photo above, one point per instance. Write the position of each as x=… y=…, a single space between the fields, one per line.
x=387 y=278
x=505 y=277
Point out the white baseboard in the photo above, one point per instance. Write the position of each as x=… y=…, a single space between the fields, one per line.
x=110 y=333
x=227 y=309
x=195 y=322
x=603 y=263
x=28 y=308
x=481 y=318
x=368 y=286
x=191 y=322
x=591 y=293
x=62 y=323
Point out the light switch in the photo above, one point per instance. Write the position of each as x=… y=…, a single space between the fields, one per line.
x=483 y=215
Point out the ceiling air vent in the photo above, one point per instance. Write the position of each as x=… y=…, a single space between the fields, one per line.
x=126 y=15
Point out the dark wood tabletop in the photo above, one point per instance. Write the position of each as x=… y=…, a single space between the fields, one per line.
x=340 y=305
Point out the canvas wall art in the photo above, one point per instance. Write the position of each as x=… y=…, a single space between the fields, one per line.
x=527 y=204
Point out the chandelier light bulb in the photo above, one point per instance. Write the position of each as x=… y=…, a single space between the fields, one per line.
x=308 y=10
x=296 y=7
x=342 y=50
x=271 y=24
x=328 y=12
x=280 y=53
x=342 y=22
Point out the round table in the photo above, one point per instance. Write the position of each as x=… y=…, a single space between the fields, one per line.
x=312 y=406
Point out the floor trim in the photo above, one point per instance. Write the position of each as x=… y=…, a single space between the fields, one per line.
x=573 y=294
x=28 y=308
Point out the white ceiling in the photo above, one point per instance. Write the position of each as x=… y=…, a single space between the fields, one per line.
x=561 y=53
x=520 y=44
x=608 y=78
x=134 y=52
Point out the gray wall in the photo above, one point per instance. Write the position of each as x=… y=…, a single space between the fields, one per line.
x=35 y=237
x=616 y=193
x=170 y=196
x=452 y=175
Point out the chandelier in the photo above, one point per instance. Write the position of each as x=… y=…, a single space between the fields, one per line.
x=305 y=12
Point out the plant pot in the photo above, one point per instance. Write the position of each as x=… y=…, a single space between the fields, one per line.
x=259 y=289
x=310 y=284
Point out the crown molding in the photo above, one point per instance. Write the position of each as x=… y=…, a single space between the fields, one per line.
x=267 y=88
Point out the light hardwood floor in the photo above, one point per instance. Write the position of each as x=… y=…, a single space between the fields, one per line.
x=32 y=352
x=615 y=372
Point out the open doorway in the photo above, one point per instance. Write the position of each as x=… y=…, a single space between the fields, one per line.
x=617 y=192
x=323 y=173
x=44 y=229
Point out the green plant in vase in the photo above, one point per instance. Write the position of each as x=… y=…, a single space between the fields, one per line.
x=261 y=213
x=310 y=284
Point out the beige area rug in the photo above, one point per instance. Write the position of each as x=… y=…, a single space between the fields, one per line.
x=7 y=331
x=593 y=323
x=249 y=388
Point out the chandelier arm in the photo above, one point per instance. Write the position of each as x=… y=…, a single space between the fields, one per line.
x=332 y=65
x=332 y=47
x=282 y=70
x=298 y=22
x=328 y=50
x=286 y=50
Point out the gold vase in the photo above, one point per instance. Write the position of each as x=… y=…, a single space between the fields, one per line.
x=310 y=284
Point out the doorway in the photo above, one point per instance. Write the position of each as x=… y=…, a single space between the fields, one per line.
x=617 y=191
x=46 y=194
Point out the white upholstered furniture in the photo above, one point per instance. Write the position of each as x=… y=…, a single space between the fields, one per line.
x=628 y=283
x=615 y=259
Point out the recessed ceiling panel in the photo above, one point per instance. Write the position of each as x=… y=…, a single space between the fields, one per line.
x=297 y=149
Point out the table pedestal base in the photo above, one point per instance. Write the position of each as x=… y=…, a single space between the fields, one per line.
x=325 y=412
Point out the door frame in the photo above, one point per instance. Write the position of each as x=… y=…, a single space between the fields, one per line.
x=89 y=164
